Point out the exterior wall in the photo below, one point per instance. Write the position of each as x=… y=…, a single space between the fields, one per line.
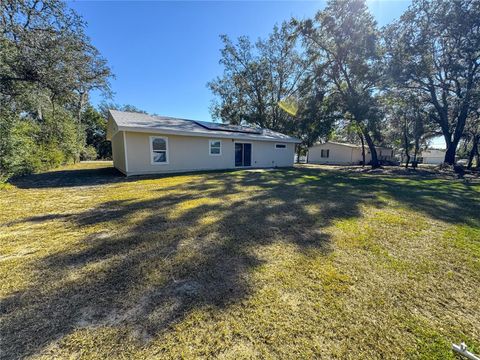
x=118 y=152
x=345 y=155
x=338 y=155
x=433 y=157
x=384 y=153
x=190 y=153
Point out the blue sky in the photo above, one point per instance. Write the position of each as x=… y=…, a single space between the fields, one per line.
x=164 y=53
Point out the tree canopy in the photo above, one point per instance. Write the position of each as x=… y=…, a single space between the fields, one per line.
x=434 y=48
x=48 y=67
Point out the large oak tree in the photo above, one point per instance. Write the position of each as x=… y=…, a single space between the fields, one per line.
x=435 y=49
x=344 y=40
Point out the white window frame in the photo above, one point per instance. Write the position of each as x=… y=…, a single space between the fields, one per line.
x=210 y=142
x=281 y=148
x=166 y=150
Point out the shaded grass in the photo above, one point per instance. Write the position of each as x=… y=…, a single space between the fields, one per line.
x=300 y=262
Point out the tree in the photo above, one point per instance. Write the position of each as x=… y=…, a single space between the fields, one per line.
x=344 y=39
x=47 y=69
x=316 y=114
x=96 y=132
x=433 y=49
x=472 y=139
x=256 y=78
x=44 y=44
x=408 y=125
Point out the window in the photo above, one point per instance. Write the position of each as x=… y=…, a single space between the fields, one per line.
x=325 y=153
x=280 y=146
x=159 y=150
x=215 y=147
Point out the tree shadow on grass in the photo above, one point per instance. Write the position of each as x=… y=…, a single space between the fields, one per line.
x=69 y=178
x=451 y=201
x=182 y=253
x=88 y=177
x=175 y=252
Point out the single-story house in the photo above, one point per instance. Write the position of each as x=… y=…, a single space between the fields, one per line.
x=148 y=144
x=432 y=156
x=336 y=153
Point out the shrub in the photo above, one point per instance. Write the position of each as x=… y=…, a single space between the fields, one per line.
x=19 y=150
x=88 y=153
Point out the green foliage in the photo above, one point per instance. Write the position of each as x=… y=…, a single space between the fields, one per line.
x=28 y=146
x=19 y=153
x=257 y=78
x=95 y=131
x=343 y=42
x=433 y=49
x=88 y=153
x=47 y=69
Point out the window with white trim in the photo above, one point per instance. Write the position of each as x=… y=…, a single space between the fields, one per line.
x=280 y=146
x=325 y=153
x=159 y=150
x=215 y=147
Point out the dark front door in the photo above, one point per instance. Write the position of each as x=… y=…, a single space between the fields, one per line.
x=238 y=154
x=247 y=154
x=243 y=154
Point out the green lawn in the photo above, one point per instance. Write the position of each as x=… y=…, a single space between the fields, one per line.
x=295 y=263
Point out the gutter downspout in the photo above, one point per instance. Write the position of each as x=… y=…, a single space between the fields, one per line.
x=126 y=152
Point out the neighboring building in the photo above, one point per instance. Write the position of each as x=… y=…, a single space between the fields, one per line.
x=432 y=156
x=147 y=144
x=336 y=153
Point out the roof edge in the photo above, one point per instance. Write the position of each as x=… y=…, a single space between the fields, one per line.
x=195 y=134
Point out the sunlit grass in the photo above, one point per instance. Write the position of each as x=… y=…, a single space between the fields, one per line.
x=290 y=263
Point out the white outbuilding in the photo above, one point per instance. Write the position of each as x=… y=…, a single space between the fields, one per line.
x=336 y=153
x=432 y=156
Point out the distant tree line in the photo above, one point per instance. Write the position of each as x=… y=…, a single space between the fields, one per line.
x=344 y=78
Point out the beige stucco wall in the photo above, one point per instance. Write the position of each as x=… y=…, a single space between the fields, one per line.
x=189 y=153
x=118 y=152
x=339 y=154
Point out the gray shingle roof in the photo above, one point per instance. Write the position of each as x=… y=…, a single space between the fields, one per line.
x=130 y=121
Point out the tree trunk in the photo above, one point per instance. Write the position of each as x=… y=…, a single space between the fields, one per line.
x=375 y=164
x=298 y=153
x=416 y=150
x=406 y=143
x=452 y=146
x=415 y=155
x=363 y=148
x=473 y=152
x=450 y=153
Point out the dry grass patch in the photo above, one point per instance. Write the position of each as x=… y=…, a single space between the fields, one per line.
x=294 y=263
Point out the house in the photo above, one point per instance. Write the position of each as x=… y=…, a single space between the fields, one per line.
x=147 y=144
x=432 y=156
x=344 y=154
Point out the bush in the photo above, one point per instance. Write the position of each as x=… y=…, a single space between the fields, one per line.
x=19 y=151
x=28 y=145
x=50 y=156
x=88 y=153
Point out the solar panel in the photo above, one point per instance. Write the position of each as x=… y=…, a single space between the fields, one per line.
x=229 y=128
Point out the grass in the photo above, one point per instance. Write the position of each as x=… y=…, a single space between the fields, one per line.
x=290 y=263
